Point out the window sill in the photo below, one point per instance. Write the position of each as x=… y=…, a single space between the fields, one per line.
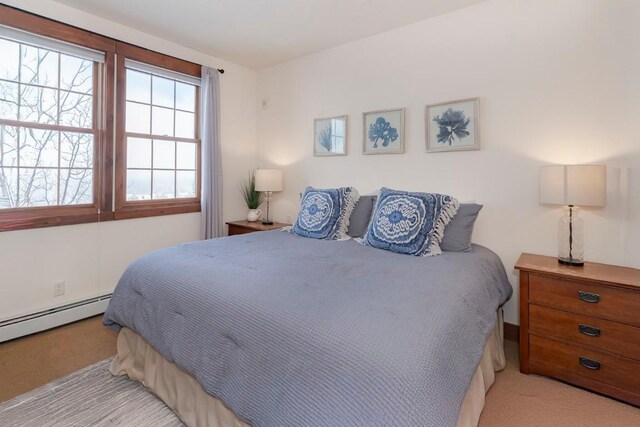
x=30 y=222
x=130 y=212
x=27 y=221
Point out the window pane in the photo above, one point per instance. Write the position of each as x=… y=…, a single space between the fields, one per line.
x=152 y=164
x=138 y=153
x=9 y=52
x=8 y=146
x=38 y=187
x=76 y=150
x=163 y=184
x=186 y=152
x=185 y=97
x=38 y=148
x=186 y=184
x=185 y=124
x=8 y=100
x=8 y=188
x=76 y=186
x=76 y=110
x=138 y=117
x=162 y=92
x=39 y=66
x=162 y=121
x=76 y=74
x=138 y=87
x=138 y=184
x=39 y=105
x=164 y=154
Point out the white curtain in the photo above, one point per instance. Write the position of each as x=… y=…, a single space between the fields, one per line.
x=211 y=224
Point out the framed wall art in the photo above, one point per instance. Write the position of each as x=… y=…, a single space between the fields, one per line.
x=330 y=136
x=384 y=132
x=453 y=126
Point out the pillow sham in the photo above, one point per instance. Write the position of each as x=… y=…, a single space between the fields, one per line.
x=324 y=214
x=361 y=215
x=410 y=223
x=457 y=234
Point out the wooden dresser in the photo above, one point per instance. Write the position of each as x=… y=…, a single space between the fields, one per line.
x=244 y=227
x=581 y=324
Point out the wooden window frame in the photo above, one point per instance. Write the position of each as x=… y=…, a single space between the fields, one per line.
x=109 y=152
x=138 y=208
x=102 y=207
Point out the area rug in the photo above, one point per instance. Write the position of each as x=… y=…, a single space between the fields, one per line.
x=90 y=397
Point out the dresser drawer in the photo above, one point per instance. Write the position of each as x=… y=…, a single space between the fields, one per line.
x=584 y=298
x=588 y=331
x=572 y=362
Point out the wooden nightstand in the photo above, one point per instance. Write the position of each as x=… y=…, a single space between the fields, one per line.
x=581 y=324
x=244 y=227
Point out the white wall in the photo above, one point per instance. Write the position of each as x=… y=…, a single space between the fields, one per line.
x=91 y=257
x=558 y=83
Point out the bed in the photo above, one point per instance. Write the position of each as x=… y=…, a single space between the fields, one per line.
x=273 y=329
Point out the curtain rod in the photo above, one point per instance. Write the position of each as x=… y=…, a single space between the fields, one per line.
x=221 y=70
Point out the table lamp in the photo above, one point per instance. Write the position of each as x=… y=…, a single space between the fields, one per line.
x=572 y=186
x=268 y=181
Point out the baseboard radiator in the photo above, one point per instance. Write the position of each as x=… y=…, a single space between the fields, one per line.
x=50 y=318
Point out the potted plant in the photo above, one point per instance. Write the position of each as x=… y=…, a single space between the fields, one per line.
x=251 y=197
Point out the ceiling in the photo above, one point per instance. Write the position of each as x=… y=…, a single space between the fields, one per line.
x=261 y=33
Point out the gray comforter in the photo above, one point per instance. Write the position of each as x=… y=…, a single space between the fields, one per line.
x=290 y=331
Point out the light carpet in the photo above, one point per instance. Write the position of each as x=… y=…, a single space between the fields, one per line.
x=534 y=401
x=90 y=397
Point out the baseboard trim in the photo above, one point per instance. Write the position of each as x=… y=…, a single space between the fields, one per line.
x=51 y=318
x=511 y=332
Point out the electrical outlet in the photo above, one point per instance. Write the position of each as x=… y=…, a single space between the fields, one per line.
x=58 y=289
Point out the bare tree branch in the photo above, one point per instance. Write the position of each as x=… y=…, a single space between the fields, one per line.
x=69 y=103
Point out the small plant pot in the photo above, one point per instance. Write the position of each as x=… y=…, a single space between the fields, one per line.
x=253 y=215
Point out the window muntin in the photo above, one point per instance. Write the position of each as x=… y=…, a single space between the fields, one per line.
x=47 y=127
x=160 y=137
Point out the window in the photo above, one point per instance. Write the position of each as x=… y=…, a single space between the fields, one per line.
x=160 y=130
x=158 y=171
x=47 y=127
x=52 y=127
x=66 y=95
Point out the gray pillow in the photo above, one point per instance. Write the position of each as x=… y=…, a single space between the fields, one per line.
x=359 y=221
x=457 y=234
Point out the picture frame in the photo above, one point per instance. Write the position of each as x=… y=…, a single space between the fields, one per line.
x=383 y=132
x=453 y=126
x=330 y=136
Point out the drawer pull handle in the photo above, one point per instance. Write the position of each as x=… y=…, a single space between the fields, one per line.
x=589 y=297
x=589 y=331
x=589 y=364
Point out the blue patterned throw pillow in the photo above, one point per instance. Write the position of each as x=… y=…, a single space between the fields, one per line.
x=324 y=214
x=410 y=223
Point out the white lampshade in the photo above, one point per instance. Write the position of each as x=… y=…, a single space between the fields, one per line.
x=268 y=180
x=578 y=185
